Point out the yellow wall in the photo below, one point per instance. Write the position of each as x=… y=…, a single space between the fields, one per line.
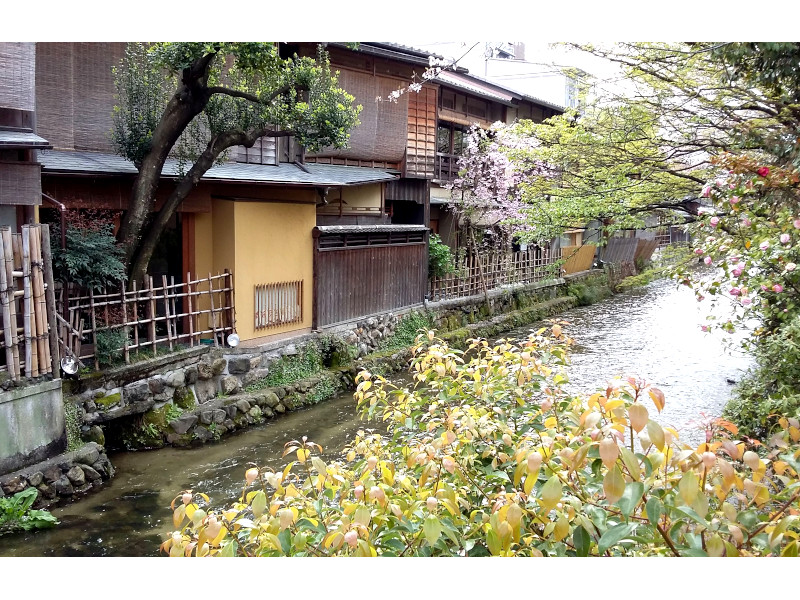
x=362 y=196
x=273 y=244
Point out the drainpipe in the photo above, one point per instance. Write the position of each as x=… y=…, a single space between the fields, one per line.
x=61 y=210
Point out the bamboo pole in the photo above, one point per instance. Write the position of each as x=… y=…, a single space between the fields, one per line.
x=166 y=310
x=151 y=305
x=7 y=298
x=212 y=316
x=173 y=309
x=40 y=304
x=94 y=328
x=50 y=296
x=189 y=306
x=136 y=317
x=31 y=369
x=125 y=323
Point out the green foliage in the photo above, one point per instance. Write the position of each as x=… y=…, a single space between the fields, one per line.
x=406 y=331
x=288 y=369
x=664 y=264
x=322 y=390
x=73 y=425
x=16 y=513
x=771 y=389
x=440 y=258
x=486 y=454
x=110 y=344
x=172 y=412
x=91 y=259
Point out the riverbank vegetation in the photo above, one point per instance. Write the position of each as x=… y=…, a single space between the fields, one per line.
x=486 y=454
x=16 y=513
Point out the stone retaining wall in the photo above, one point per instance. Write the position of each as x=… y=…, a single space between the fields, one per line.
x=62 y=477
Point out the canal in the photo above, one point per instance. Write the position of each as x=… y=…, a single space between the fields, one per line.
x=652 y=332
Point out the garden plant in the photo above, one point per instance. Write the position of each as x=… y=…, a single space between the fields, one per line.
x=486 y=454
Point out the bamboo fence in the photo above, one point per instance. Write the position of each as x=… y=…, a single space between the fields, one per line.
x=28 y=303
x=159 y=314
x=479 y=273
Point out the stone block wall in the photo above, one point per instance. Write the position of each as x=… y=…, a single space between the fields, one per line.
x=63 y=477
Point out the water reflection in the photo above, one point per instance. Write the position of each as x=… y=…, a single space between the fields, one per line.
x=652 y=332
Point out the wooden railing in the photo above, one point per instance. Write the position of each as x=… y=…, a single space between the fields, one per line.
x=492 y=270
x=150 y=317
x=28 y=305
x=278 y=304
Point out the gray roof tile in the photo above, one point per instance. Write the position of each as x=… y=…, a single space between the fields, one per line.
x=22 y=139
x=60 y=161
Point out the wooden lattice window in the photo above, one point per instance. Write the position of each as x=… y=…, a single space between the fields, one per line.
x=278 y=304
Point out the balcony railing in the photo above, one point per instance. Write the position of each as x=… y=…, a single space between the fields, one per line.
x=446 y=168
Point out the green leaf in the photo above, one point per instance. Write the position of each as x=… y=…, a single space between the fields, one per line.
x=229 y=549
x=614 y=484
x=614 y=535
x=432 y=529
x=654 y=509
x=631 y=462
x=551 y=493
x=493 y=541
x=631 y=497
x=582 y=541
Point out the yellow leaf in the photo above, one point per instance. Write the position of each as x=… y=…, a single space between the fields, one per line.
x=561 y=529
x=178 y=516
x=302 y=455
x=638 y=415
x=656 y=434
x=614 y=484
x=657 y=396
x=609 y=451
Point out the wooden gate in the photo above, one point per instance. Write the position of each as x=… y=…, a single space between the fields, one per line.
x=364 y=270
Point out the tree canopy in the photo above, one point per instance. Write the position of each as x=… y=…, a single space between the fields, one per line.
x=196 y=100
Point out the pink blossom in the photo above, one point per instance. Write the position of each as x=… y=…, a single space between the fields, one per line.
x=735 y=291
x=746 y=301
x=796 y=223
x=706 y=191
x=714 y=221
x=737 y=272
x=777 y=288
x=791 y=267
x=698 y=251
x=707 y=260
x=746 y=222
x=734 y=199
x=764 y=245
x=764 y=288
x=763 y=171
x=705 y=328
x=785 y=238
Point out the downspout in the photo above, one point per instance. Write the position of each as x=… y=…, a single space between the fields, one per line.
x=61 y=211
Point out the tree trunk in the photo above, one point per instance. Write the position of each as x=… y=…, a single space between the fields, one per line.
x=188 y=101
x=217 y=145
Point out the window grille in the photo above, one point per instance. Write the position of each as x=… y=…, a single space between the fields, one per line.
x=278 y=304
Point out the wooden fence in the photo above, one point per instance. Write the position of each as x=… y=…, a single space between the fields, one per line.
x=28 y=303
x=150 y=317
x=578 y=258
x=488 y=271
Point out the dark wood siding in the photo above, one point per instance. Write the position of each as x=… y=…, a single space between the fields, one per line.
x=353 y=282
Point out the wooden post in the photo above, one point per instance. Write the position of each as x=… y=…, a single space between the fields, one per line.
x=94 y=328
x=125 y=323
x=213 y=317
x=136 y=317
x=230 y=318
x=173 y=309
x=31 y=370
x=166 y=311
x=189 y=305
x=151 y=307
x=47 y=263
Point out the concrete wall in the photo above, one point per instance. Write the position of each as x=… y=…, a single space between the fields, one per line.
x=31 y=425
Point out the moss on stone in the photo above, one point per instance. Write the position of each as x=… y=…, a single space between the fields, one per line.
x=107 y=402
x=184 y=398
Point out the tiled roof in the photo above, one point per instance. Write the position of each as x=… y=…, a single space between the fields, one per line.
x=22 y=139
x=60 y=161
x=470 y=84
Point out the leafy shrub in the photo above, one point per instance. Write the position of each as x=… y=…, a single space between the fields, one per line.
x=771 y=389
x=440 y=258
x=16 y=513
x=91 y=259
x=487 y=455
x=110 y=344
x=73 y=426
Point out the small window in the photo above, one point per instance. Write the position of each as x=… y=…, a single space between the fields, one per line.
x=443 y=139
x=448 y=100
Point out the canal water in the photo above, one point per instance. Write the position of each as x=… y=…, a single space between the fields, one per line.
x=652 y=332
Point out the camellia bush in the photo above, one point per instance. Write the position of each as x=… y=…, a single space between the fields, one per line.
x=487 y=455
